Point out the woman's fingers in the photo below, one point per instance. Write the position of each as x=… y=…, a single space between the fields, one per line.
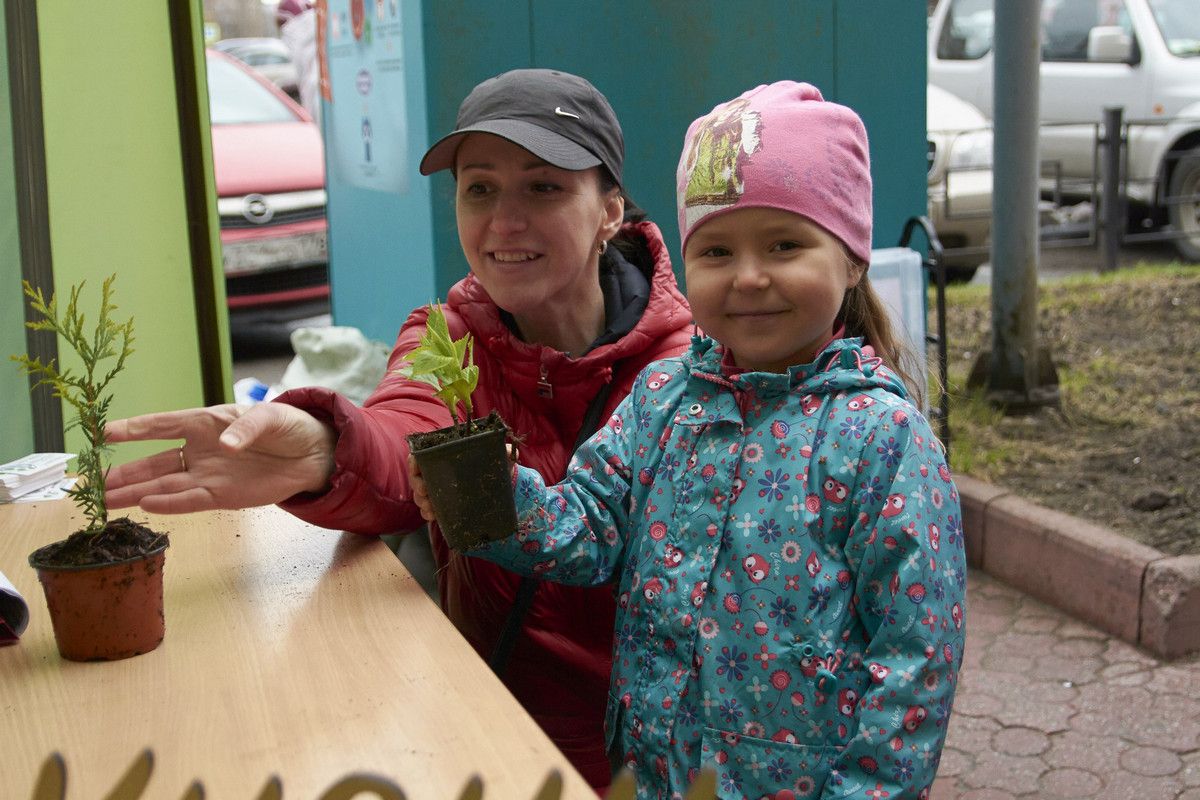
x=142 y=470
x=277 y=427
x=186 y=502
x=165 y=424
x=246 y=429
x=136 y=494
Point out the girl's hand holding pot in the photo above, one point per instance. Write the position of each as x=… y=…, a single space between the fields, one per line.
x=421 y=492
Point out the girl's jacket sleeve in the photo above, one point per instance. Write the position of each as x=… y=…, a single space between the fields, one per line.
x=906 y=550
x=574 y=532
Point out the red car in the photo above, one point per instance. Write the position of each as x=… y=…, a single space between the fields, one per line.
x=270 y=175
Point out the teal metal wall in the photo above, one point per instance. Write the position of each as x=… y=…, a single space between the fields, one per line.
x=380 y=241
x=661 y=63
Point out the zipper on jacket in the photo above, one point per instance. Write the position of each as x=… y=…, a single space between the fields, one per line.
x=544 y=389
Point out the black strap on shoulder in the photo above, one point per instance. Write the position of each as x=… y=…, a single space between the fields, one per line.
x=528 y=586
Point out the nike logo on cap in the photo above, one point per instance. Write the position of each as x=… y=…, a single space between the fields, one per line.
x=558 y=110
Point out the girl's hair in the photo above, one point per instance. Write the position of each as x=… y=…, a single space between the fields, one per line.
x=864 y=314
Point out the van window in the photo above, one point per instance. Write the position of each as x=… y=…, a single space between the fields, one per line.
x=1180 y=26
x=967 y=31
x=1066 y=25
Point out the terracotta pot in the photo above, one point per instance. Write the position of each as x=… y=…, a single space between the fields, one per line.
x=470 y=482
x=105 y=612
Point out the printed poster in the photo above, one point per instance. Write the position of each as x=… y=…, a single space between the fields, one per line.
x=367 y=129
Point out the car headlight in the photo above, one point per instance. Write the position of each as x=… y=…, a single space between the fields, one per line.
x=971 y=150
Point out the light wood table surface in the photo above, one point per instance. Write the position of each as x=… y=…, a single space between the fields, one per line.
x=290 y=650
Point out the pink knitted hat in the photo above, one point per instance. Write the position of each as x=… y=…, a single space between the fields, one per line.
x=779 y=146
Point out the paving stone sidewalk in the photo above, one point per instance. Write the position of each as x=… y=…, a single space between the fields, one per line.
x=1049 y=707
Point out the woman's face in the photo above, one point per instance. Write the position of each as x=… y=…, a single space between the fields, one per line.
x=529 y=230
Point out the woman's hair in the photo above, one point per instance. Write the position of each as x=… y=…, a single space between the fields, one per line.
x=864 y=315
x=633 y=248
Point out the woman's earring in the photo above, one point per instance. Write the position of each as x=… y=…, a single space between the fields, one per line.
x=602 y=248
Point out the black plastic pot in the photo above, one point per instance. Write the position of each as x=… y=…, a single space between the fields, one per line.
x=469 y=479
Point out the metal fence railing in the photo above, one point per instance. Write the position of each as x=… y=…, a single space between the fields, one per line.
x=1079 y=209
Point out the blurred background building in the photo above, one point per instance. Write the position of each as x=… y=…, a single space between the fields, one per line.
x=227 y=19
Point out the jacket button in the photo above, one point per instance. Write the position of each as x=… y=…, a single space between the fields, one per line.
x=696 y=409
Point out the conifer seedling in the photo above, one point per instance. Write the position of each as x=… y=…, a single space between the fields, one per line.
x=104 y=583
x=85 y=391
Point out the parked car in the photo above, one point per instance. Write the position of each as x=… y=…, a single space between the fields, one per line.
x=270 y=176
x=267 y=56
x=960 y=180
x=1141 y=55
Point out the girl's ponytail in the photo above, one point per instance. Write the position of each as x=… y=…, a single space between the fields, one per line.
x=864 y=314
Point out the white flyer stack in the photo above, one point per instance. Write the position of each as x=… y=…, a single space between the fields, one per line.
x=31 y=473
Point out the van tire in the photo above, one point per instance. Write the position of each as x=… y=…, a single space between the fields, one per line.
x=1185 y=216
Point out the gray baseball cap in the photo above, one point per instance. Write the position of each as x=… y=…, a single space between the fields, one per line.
x=560 y=118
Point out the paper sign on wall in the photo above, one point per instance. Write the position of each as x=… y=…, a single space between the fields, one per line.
x=367 y=130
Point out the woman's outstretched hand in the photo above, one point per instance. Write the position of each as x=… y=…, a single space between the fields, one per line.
x=233 y=457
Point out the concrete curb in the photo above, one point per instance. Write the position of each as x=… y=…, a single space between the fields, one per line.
x=1132 y=591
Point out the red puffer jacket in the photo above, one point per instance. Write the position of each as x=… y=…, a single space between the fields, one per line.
x=559 y=668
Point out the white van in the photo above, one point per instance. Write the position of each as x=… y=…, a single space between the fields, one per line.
x=1142 y=55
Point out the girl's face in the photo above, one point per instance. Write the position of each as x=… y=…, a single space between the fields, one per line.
x=768 y=284
x=530 y=231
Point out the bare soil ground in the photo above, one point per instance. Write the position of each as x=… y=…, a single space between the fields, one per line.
x=1123 y=448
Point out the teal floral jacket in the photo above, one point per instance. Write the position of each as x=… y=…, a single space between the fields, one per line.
x=788 y=556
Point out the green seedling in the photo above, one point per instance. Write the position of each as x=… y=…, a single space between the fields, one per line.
x=445 y=364
x=85 y=391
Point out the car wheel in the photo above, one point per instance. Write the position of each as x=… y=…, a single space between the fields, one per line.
x=1185 y=214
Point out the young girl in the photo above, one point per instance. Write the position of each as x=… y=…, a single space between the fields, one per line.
x=778 y=517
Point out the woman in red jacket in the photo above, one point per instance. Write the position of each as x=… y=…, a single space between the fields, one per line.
x=567 y=300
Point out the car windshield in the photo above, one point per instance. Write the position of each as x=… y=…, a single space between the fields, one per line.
x=255 y=52
x=967 y=33
x=1179 y=21
x=237 y=98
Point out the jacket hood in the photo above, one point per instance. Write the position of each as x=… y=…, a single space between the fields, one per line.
x=843 y=365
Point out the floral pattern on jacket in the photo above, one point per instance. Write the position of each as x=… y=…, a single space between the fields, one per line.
x=788 y=552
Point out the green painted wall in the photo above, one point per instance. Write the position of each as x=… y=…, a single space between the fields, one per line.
x=115 y=185
x=16 y=424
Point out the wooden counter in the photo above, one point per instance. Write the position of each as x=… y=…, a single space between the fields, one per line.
x=290 y=650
